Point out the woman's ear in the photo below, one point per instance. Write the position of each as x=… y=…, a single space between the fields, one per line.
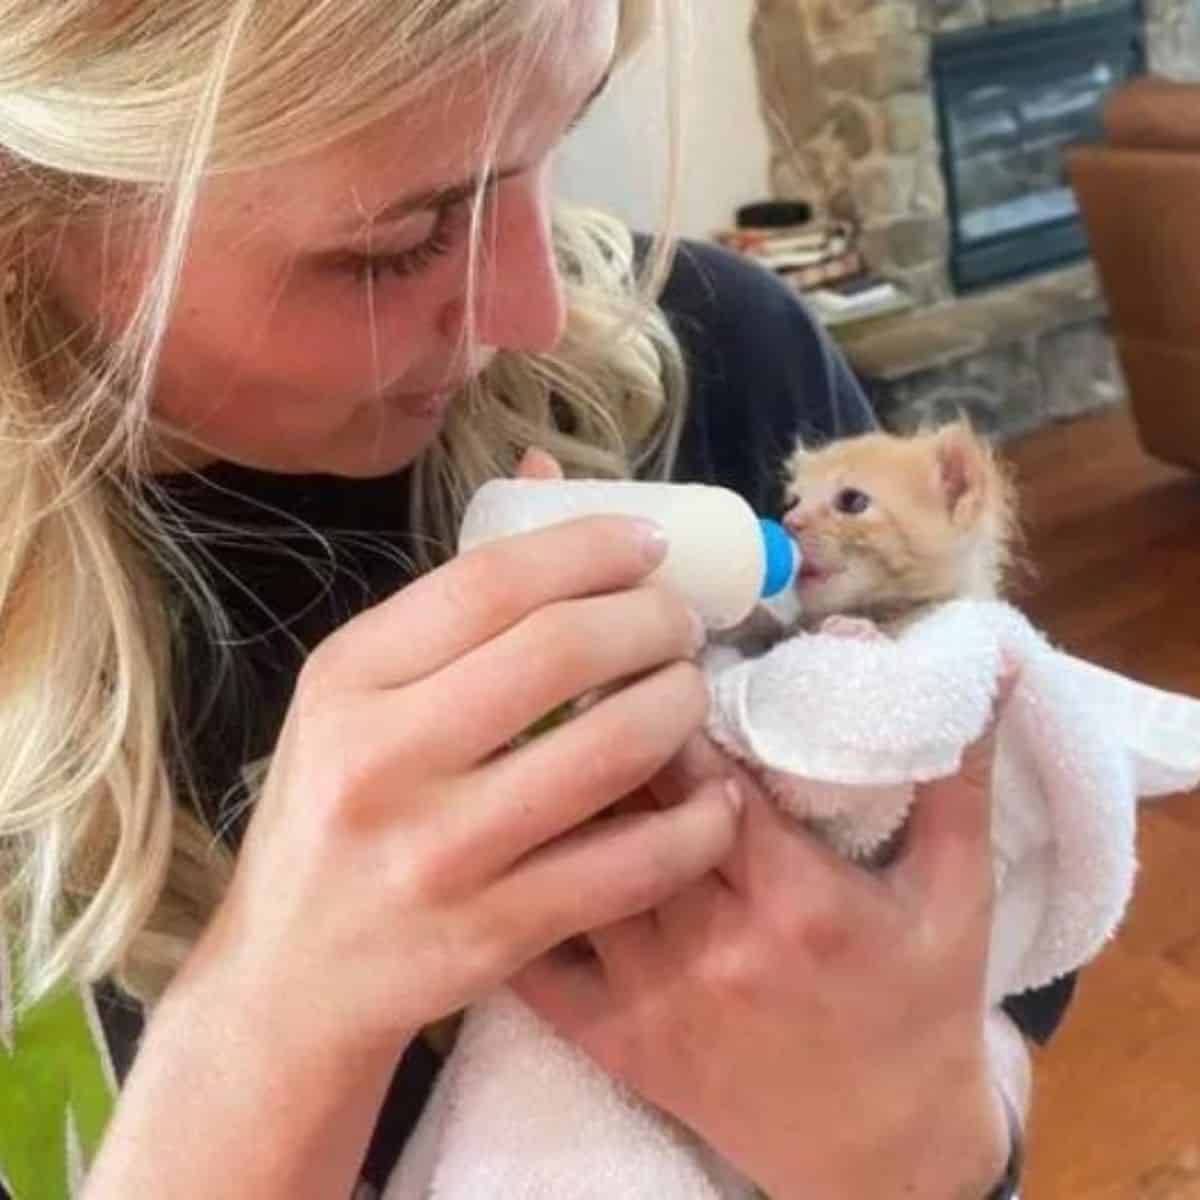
x=961 y=462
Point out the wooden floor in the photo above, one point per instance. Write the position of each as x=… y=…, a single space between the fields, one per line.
x=1115 y=538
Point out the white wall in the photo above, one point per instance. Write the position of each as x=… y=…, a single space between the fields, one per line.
x=615 y=160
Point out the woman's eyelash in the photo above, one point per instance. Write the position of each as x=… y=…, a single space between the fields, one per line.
x=371 y=268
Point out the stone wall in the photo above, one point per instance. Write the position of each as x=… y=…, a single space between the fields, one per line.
x=847 y=98
x=1013 y=359
x=1174 y=46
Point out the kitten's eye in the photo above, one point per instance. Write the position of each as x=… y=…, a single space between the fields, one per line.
x=851 y=502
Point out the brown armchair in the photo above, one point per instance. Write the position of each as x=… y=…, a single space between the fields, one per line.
x=1139 y=195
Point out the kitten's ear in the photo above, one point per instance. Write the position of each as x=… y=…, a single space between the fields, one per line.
x=799 y=455
x=793 y=467
x=962 y=460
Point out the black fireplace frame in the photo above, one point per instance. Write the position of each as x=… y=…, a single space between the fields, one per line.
x=1112 y=27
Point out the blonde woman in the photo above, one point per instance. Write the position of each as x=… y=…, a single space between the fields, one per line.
x=282 y=286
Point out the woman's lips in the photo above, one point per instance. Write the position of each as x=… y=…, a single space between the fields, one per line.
x=426 y=405
x=433 y=404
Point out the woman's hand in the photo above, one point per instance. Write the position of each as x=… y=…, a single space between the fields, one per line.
x=398 y=865
x=820 y=1026
x=395 y=841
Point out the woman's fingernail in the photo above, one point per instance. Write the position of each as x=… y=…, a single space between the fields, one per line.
x=652 y=539
x=735 y=796
x=537 y=463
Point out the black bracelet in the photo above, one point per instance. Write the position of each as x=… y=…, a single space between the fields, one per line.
x=1010 y=1181
x=1008 y=1184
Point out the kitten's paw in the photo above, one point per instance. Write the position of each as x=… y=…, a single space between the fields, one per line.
x=858 y=628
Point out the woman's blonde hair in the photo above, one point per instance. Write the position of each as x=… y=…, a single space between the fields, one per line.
x=105 y=867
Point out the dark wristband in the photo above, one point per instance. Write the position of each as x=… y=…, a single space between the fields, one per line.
x=1008 y=1184
x=1006 y=1187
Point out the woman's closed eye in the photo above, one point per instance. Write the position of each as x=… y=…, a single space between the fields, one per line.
x=431 y=235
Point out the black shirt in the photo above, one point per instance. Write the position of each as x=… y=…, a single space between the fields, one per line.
x=761 y=374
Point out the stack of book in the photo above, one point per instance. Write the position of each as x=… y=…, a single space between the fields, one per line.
x=863 y=297
x=820 y=259
x=807 y=255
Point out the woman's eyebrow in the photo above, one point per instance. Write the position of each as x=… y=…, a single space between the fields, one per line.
x=444 y=196
x=430 y=198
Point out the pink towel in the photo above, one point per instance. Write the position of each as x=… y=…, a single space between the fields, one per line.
x=840 y=728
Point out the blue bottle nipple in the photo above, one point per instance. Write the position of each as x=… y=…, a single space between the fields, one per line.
x=782 y=558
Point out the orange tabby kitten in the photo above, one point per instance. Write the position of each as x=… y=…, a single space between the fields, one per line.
x=890 y=526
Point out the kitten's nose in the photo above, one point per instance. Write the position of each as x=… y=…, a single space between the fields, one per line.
x=794 y=519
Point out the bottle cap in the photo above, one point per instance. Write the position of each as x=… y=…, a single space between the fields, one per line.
x=782 y=558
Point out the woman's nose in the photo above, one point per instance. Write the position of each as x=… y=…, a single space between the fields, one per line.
x=517 y=292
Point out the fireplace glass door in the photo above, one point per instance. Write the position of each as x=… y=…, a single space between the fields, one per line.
x=1011 y=98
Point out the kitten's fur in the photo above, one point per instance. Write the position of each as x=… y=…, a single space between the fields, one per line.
x=890 y=526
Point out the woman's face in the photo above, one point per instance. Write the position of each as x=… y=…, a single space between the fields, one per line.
x=320 y=317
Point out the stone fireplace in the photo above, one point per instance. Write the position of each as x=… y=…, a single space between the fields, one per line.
x=859 y=99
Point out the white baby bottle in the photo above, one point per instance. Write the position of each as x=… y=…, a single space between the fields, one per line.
x=721 y=556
